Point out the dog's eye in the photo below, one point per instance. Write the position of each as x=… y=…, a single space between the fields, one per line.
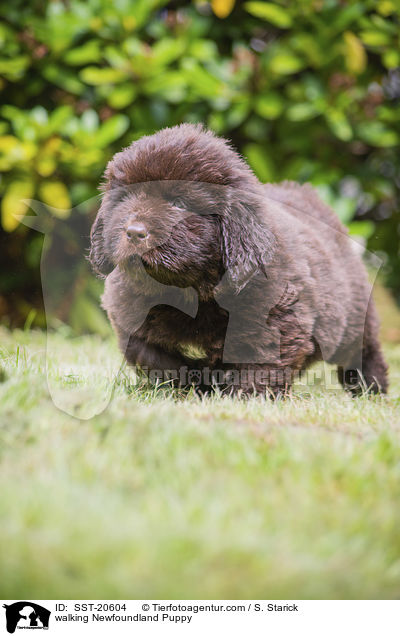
x=178 y=203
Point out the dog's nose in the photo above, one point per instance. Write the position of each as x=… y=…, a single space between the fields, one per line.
x=136 y=231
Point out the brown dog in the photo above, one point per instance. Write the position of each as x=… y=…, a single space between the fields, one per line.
x=215 y=278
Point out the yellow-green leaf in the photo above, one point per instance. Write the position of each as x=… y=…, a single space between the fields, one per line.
x=302 y=111
x=46 y=166
x=365 y=229
x=97 y=76
x=222 y=8
x=279 y=16
x=122 y=95
x=129 y=22
x=111 y=129
x=14 y=204
x=79 y=55
x=354 y=52
x=386 y=7
x=55 y=194
x=9 y=151
x=8 y=143
x=375 y=38
x=286 y=63
x=377 y=134
x=269 y=106
x=15 y=152
x=391 y=58
x=339 y=124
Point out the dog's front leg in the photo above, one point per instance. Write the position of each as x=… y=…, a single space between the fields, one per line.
x=150 y=356
x=161 y=365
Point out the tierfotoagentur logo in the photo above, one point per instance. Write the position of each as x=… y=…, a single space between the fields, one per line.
x=26 y=615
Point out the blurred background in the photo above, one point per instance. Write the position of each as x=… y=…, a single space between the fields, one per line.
x=306 y=90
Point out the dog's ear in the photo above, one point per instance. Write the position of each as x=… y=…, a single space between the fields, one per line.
x=248 y=245
x=97 y=256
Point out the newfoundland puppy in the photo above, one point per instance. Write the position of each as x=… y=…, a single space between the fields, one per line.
x=213 y=278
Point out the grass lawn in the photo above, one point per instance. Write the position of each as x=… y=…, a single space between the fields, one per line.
x=161 y=496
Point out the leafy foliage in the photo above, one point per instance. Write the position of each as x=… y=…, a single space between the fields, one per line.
x=308 y=91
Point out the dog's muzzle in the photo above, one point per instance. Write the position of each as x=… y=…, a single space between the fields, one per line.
x=137 y=232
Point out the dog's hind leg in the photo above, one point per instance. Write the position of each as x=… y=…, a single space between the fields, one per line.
x=371 y=374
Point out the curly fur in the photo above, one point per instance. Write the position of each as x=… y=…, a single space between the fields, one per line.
x=257 y=277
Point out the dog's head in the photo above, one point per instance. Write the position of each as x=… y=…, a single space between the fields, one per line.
x=184 y=202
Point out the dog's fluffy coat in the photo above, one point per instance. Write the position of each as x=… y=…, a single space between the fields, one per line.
x=278 y=282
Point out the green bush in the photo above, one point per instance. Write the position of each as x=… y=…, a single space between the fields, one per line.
x=306 y=90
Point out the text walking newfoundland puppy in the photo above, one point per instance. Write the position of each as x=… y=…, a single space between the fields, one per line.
x=213 y=277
